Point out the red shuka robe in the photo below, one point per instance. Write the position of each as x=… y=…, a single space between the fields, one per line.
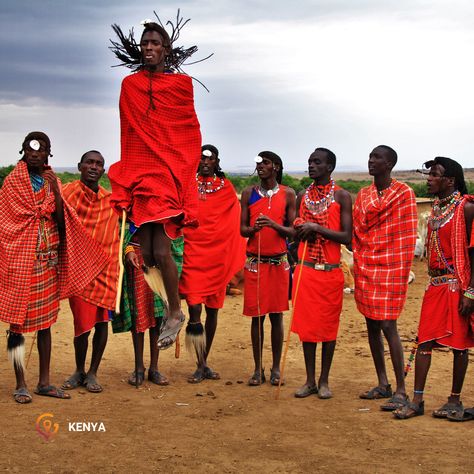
x=161 y=149
x=215 y=251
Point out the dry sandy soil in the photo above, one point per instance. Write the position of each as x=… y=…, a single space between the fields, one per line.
x=226 y=426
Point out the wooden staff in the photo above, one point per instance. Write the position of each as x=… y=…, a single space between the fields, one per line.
x=177 y=348
x=411 y=357
x=260 y=348
x=121 y=265
x=31 y=349
x=287 y=345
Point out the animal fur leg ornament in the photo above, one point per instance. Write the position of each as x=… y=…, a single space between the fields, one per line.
x=196 y=339
x=16 y=349
x=154 y=279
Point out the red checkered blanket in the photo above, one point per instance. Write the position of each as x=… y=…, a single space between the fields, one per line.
x=20 y=218
x=384 y=244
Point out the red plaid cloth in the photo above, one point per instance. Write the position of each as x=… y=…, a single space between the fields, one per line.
x=20 y=218
x=101 y=223
x=43 y=304
x=142 y=297
x=459 y=244
x=384 y=244
x=316 y=248
x=161 y=148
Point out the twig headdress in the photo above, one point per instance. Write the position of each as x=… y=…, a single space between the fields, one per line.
x=129 y=53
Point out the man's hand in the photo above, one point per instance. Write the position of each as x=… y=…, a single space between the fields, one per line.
x=263 y=221
x=132 y=260
x=51 y=178
x=307 y=231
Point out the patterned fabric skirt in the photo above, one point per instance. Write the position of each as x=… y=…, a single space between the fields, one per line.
x=143 y=297
x=43 y=302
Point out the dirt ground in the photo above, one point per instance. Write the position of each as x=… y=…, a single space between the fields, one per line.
x=226 y=426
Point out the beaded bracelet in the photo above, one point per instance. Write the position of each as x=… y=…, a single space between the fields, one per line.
x=469 y=293
x=128 y=249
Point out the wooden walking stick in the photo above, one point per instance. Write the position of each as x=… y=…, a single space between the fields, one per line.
x=287 y=345
x=121 y=265
x=411 y=357
x=260 y=348
x=177 y=348
x=31 y=349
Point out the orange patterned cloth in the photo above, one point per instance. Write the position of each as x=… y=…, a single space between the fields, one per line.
x=20 y=217
x=101 y=223
x=384 y=244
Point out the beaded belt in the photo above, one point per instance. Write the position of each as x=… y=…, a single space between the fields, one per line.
x=324 y=267
x=443 y=280
x=51 y=255
x=436 y=272
x=252 y=261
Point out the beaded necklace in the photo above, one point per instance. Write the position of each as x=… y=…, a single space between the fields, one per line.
x=441 y=213
x=207 y=185
x=443 y=210
x=262 y=192
x=322 y=199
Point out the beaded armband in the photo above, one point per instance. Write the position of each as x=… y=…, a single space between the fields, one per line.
x=128 y=249
x=469 y=293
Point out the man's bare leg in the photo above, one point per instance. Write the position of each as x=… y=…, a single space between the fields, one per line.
x=99 y=342
x=327 y=355
x=44 y=351
x=210 y=326
x=374 y=332
x=139 y=371
x=309 y=387
x=156 y=250
x=390 y=331
x=154 y=375
x=276 y=320
x=256 y=335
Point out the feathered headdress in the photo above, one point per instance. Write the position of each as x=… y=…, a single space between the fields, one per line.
x=129 y=53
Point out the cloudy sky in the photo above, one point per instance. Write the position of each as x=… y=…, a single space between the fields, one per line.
x=285 y=76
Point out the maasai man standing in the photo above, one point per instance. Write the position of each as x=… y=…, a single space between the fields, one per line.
x=448 y=304
x=154 y=181
x=268 y=211
x=325 y=221
x=90 y=309
x=385 y=224
x=141 y=309
x=42 y=244
x=213 y=253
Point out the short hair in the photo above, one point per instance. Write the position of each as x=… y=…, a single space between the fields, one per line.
x=392 y=154
x=152 y=26
x=37 y=136
x=452 y=169
x=330 y=156
x=83 y=157
x=214 y=151
x=275 y=159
